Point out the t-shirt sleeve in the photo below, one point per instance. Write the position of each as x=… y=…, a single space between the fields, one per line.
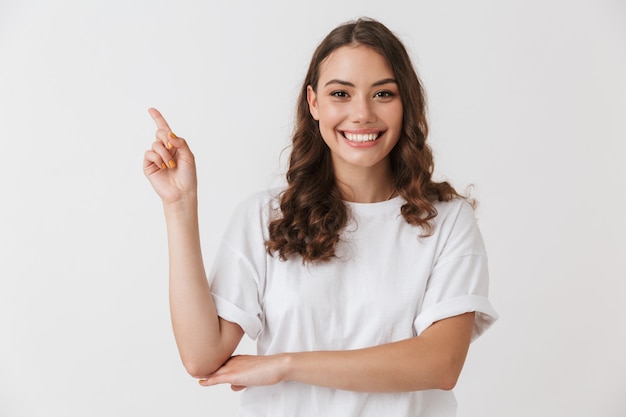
x=237 y=275
x=459 y=281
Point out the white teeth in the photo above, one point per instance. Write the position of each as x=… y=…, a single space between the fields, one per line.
x=353 y=137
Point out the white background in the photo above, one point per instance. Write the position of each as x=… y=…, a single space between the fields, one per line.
x=527 y=102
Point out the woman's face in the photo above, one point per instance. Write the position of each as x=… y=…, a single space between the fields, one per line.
x=358 y=107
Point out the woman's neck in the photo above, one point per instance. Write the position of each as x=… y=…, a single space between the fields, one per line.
x=366 y=185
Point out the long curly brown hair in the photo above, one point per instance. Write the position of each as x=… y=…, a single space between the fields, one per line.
x=313 y=212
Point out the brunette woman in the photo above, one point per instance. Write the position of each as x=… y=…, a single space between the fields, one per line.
x=363 y=280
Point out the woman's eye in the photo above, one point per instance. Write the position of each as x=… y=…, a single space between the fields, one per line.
x=340 y=94
x=384 y=94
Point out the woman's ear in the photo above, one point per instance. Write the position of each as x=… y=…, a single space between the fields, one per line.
x=311 y=98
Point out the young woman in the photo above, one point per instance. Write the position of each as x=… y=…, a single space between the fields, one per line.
x=363 y=281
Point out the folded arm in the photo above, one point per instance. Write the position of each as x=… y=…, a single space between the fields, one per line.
x=432 y=360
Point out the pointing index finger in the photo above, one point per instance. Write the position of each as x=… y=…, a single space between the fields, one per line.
x=159 y=119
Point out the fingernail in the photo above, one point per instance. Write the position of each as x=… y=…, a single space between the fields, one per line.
x=201 y=381
x=172 y=163
x=172 y=135
x=163 y=165
x=169 y=145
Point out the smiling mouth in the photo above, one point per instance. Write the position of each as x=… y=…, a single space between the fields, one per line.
x=362 y=137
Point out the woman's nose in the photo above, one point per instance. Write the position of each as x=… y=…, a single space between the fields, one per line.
x=363 y=111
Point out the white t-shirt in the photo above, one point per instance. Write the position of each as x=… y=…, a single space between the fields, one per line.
x=386 y=284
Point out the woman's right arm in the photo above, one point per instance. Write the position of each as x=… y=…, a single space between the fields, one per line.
x=204 y=340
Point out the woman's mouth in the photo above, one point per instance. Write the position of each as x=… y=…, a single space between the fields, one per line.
x=362 y=137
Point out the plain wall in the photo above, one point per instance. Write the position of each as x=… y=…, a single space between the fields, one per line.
x=527 y=102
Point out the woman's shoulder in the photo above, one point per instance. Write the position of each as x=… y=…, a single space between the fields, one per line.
x=456 y=224
x=454 y=206
x=260 y=205
x=455 y=213
x=251 y=215
x=260 y=200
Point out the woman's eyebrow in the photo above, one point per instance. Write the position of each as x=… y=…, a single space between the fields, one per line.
x=349 y=84
x=341 y=82
x=385 y=81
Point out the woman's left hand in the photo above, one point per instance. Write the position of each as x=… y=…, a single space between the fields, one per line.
x=242 y=371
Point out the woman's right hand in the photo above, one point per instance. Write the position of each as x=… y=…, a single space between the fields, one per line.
x=169 y=165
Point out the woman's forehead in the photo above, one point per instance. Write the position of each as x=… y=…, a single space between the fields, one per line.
x=355 y=62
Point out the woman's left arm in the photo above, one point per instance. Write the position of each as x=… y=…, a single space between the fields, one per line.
x=432 y=360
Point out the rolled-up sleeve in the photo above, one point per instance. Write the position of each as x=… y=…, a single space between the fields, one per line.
x=459 y=281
